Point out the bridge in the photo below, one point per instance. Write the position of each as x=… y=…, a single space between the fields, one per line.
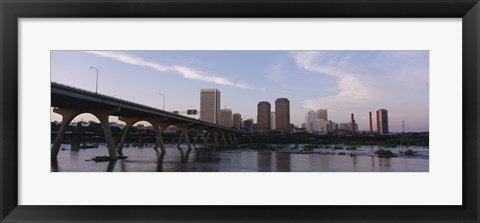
x=70 y=102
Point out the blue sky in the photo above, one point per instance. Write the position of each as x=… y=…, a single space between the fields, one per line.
x=343 y=82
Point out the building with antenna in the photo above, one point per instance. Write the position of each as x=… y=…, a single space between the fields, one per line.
x=226 y=117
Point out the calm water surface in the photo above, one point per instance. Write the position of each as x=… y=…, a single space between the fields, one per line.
x=282 y=159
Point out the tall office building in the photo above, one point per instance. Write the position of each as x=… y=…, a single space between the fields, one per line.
x=237 y=120
x=263 y=117
x=226 y=117
x=282 y=115
x=370 y=118
x=248 y=125
x=210 y=105
x=272 y=120
x=311 y=121
x=382 y=121
x=324 y=126
x=322 y=114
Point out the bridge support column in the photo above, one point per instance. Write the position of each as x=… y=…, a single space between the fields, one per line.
x=205 y=138
x=224 y=140
x=75 y=142
x=159 y=142
x=199 y=132
x=67 y=116
x=159 y=125
x=194 y=144
x=235 y=138
x=184 y=137
x=102 y=115
x=184 y=128
x=230 y=138
x=180 y=139
x=128 y=124
x=215 y=138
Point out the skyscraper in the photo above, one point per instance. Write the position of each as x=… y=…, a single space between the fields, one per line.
x=248 y=125
x=311 y=121
x=370 y=118
x=237 y=120
x=263 y=117
x=322 y=114
x=282 y=115
x=210 y=105
x=382 y=121
x=272 y=120
x=226 y=117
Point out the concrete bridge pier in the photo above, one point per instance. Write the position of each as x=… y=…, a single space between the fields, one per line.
x=159 y=125
x=215 y=138
x=199 y=132
x=140 y=140
x=67 y=116
x=128 y=124
x=205 y=137
x=224 y=140
x=102 y=115
x=230 y=139
x=194 y=144
x=184 y=128
x=159 y=142
x=235 y=138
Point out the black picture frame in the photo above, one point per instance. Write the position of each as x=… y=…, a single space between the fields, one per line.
x=12 y=10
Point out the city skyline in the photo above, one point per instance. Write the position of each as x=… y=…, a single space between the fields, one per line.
x=343 y=82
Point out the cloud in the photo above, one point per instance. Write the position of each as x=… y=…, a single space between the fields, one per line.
x=186 y=72
x=370 y=80
x=351 y=86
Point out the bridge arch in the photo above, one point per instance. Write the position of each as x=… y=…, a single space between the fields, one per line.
x=158 y=124
x=67 y=117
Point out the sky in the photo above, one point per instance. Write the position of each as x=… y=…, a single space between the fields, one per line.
x=343 y=82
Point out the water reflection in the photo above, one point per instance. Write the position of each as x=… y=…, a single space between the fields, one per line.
x=224 y=160
x=282 y=160
x=161 y=157
x=264 y=161
x=111 y=165
x=54 y=165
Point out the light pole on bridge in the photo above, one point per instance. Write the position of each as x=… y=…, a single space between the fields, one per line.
x=96 y=85
x=163 y=100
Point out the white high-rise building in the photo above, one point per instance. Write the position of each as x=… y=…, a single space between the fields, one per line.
x=210 y=105
x=311 y=121
x=324 y=126
x=272 y=121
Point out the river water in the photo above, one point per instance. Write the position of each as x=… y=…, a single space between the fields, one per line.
x=281 y=159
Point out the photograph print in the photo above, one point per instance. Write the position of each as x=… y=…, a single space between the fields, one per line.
x=240 y=111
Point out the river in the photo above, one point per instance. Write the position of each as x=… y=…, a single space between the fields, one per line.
x=280 y=159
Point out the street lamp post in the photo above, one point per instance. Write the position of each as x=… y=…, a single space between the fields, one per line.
x=96 y=84
x=163 y=101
